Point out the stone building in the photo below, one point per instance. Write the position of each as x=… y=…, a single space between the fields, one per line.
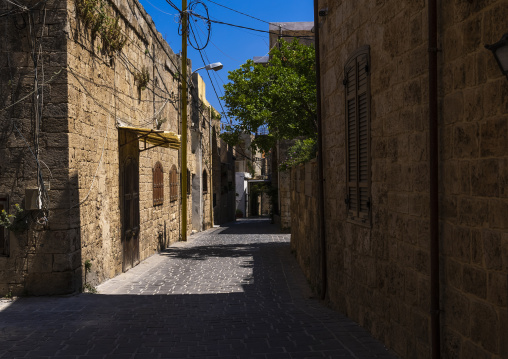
x=251 y=176
x=377 y=102
x=214 y=162
x=224 y=201
x=90 y=123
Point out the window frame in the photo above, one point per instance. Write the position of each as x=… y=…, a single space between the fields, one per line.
x=358 y=137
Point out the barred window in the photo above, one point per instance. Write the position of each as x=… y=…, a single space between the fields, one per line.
x=357 y=92
x=158 y=184
x=173 y=184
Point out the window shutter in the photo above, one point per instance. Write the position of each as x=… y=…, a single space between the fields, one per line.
x=173 y=184
x=356 y=84
x=158 y=185
x=352 y=163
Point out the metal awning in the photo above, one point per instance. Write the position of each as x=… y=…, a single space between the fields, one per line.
x=156 y=138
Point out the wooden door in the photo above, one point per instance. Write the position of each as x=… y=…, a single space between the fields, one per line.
x=130 y=230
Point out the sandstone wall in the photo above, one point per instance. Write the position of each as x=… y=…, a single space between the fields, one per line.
x=305 y=239
x=223 y=178
x=283 y=180
x=89 y=92
x=103 y=92
x=42 y=259
x=379 y=274
x=474 y=177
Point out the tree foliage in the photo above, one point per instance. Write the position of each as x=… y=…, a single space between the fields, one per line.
x=280 y=96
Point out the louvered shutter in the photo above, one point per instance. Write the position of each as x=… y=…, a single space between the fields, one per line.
x=358 y=135
x=173 y=184
x=158 y=184
x=352 y=149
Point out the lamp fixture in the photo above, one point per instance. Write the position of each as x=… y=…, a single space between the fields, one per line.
x=216 y=66
x=500 y=52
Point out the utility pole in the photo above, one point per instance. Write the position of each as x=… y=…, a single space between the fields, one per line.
x=183 y=186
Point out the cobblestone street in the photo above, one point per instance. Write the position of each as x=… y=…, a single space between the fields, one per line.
x=229 y=292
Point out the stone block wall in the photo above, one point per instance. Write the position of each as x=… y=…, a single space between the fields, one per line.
x=223 y=175
x=474 y=197
x=305 y=238
x=283 y=181
x=42 y=259
x=104 y=93
x=379 y=274
x=89 y=92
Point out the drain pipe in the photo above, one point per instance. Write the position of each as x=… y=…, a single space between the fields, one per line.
x=321 y=201
x=434 y=195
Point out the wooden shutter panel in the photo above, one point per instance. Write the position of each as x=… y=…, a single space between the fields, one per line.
x=158 y=184
x=352 y=161
x=173 y=184
x=363 y=138
x=356 y=83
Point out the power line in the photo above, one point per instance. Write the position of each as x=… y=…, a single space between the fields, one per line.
x=191 y=10
x=214 y=90
x=34 y=91
x=252 y=29
x=162 y=11
x=174 y=6
x=239 y=12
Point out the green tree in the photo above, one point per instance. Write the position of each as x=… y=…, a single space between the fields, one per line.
x=280 y=96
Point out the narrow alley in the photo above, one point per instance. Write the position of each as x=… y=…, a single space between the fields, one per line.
x=229 y=292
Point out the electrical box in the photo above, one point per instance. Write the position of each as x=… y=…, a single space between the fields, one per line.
x=31 y=199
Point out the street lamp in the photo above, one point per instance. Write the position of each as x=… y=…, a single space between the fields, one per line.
x=216 y=66
x=500 y=52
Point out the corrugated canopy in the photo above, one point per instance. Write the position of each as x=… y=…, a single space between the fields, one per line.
x=156 y=138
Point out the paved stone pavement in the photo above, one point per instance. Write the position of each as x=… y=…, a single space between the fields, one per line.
x=229 y=292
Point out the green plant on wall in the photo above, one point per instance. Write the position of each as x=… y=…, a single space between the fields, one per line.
x=17 y=222
x=301 y=152
x=87 y=287
x=215 y=115
x=142 y=78
x=159 y=121
x=94 y=15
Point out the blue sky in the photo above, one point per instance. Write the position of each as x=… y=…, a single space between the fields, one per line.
x=230 y=45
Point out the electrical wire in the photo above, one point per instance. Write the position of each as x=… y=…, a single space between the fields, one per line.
x=206 y=18
x=164 y=12
x=253 y=29
x=22 y=7
x=239 y=12
x=31 y=93
x=174 y=6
